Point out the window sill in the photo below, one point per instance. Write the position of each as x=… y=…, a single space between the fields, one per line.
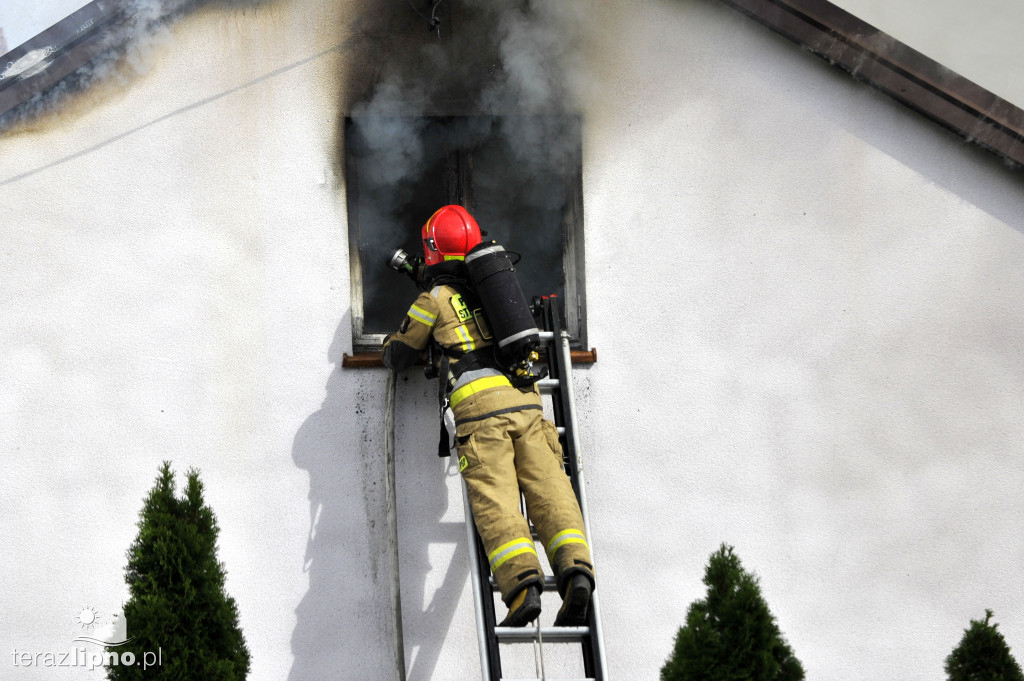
x=372 y=360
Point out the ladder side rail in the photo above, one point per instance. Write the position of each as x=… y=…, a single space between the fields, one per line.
x=563 y=407
x=490 y=616
x=560 y=352
x=561 y=401
x=490 y=658
x=555 y=371
x=595 y=642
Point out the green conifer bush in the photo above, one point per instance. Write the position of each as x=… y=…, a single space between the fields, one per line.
x=982 y=655
x=177 y=603
x=731 y=634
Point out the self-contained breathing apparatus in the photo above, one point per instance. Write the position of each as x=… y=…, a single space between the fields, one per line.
x=487 y=283
x=487 y=276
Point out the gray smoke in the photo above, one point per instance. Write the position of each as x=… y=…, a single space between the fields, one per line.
x=509 y=61
x=495 y=88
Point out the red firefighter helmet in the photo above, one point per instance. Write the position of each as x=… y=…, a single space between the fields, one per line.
x=449 y=234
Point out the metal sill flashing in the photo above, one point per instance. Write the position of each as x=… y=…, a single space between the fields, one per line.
x=372 y=360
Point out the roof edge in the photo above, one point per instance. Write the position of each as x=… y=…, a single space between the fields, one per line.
x=899 y=71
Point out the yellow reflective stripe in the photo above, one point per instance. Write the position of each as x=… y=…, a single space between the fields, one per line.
x=467 y=340
x=419 y=314
x=476 y=386
x=565 y=537
x=516 y=547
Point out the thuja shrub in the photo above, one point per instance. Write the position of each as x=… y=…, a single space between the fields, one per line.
x=730 y=634
x=181 y=622
x=982 y=655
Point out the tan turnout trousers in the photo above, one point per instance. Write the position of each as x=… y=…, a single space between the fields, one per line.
x=503 y=455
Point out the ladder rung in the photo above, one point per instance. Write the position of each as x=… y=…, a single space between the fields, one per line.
x=549 y=634
x=547 y=385
x=550 y=583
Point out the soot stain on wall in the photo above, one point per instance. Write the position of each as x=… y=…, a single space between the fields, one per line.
x=491 y=88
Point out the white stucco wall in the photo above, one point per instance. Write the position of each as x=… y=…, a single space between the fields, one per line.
x=805 y=300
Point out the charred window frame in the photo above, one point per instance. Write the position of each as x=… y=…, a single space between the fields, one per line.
x=520 y=177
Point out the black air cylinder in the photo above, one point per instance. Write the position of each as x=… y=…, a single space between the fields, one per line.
x=494 y=279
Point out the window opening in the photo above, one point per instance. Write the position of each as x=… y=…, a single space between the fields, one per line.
x=520 y=177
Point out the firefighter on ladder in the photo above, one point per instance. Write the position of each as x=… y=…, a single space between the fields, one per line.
x=504 y=444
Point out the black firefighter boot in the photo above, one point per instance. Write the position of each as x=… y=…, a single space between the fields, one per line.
x=575 y=602
x=523 y=608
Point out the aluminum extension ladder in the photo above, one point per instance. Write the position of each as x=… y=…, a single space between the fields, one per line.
x=490 y=637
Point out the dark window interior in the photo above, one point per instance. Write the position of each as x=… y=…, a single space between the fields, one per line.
x=519 y=177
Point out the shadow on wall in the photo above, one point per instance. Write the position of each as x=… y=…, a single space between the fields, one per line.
x=338 y=633
x=424 y=628
x=423 y=499
x=343 y=628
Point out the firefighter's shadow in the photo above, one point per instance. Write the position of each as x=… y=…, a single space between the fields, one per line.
x=327 y=642
x=427 y=541
x=343 y=625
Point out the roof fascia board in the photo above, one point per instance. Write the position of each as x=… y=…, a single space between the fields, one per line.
x=67 y=45
x=896 y=69
x=61 y=50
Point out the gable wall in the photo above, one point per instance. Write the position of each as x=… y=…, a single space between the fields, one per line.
x=805 y=300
